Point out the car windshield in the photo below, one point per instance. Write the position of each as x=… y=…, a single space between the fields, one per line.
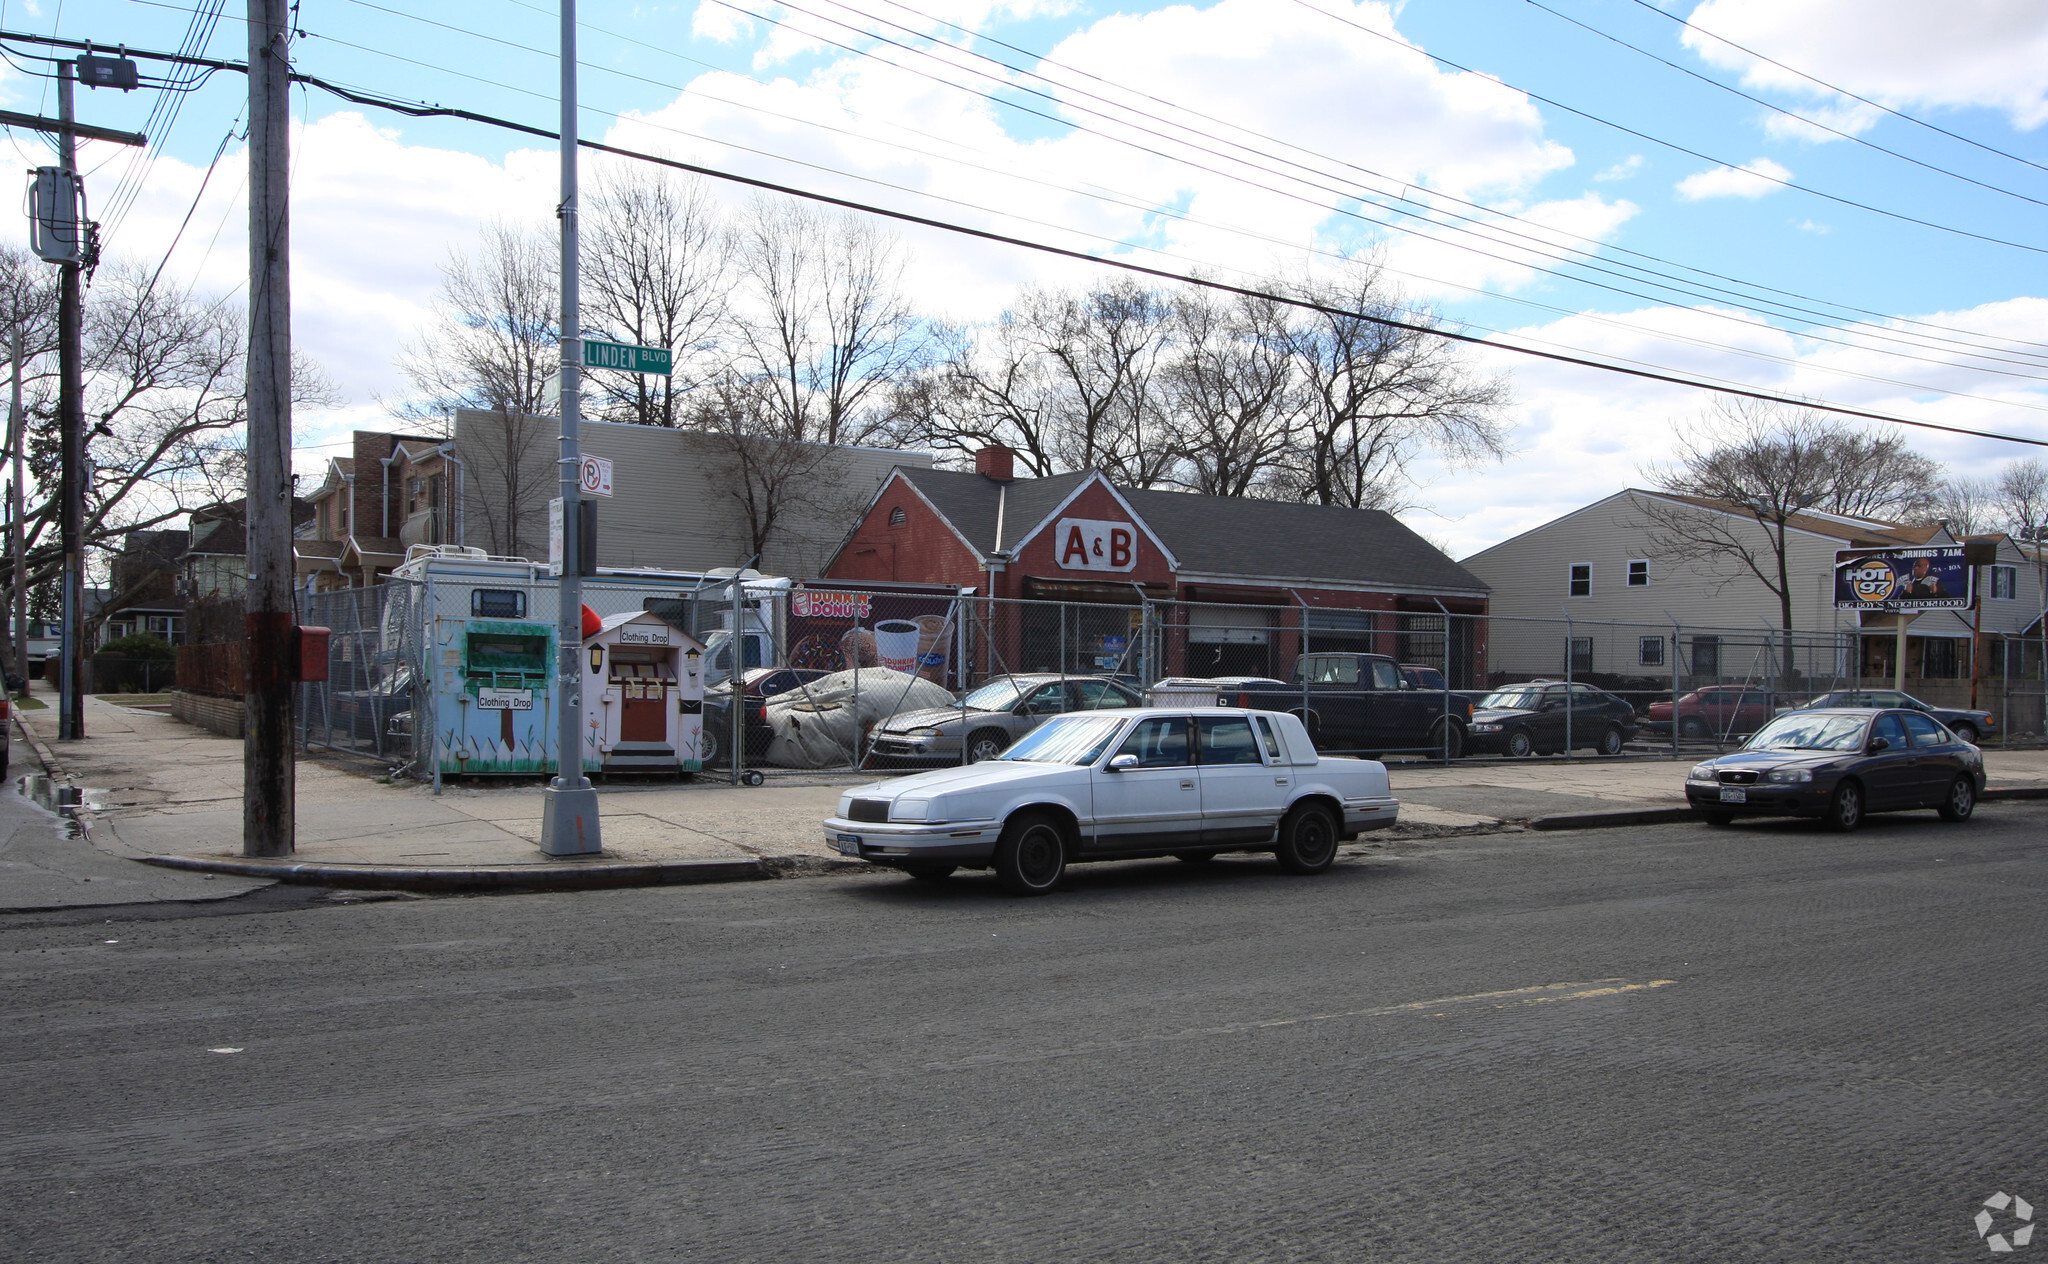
x=1070 y=739
x=1510 y=700
x=1809 y=731
x=996 y=695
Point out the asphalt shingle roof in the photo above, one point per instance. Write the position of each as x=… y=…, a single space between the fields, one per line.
x=1217 y=535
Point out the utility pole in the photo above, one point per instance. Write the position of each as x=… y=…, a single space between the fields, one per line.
x=270 y=643
x=17 y=541
x=568 y=824
x=71 y=414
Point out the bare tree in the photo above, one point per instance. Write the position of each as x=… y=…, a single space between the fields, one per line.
x=656 y=272
x=775 y=483
x=1380 y=397
x=496 y=330
x=1967 y=505
x=1235 y=391
x=824 y=325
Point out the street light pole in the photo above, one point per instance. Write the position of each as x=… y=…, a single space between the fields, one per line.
x=568 y=824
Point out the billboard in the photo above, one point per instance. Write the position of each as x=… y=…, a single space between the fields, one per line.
x=1934 y=578
x=832 y=629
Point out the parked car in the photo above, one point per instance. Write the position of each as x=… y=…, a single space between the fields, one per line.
x=1422 y=676
x=1189 y=782
x=1543 y=717
x=1839 y=765
x=992 y=715
x=1363 y=702
x=1715 y=711
x=757 y=687
x=1970 y=725
x=6 y=735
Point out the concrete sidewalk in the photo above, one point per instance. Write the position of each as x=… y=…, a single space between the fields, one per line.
x=164 y=792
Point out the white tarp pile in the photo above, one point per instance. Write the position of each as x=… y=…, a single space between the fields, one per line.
x=815 y=726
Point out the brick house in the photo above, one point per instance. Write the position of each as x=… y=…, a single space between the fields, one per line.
x=1233 y=584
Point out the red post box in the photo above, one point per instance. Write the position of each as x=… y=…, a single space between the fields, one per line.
x=312 y=653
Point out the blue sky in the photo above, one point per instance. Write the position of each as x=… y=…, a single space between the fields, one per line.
x=382 y=200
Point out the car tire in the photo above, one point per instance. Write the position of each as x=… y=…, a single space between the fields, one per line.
x=986 y=744
x=1308 y=840
x=1845 y=809
x=1454 y=748
x=1611 y=742
x=930 y=873
x=1968 y=732
x=1717 y=819
x=1031 y=855
x=1961 y=800
x=707 y=746
x=1692 y=727
x=1520 y=744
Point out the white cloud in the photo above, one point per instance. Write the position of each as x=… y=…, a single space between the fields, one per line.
x=1844 y=116
x=1622 y=170
x=1989 y=53
x=1751 y=181
x=1814 y=226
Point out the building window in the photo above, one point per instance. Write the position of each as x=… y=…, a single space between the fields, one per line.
x=1639 y=573
x=497 y=603
x=1582 y=655
x=1651 y=653
x=2005 y=582
x=1941 y=659
x=1706 y=656
x=1582 y=579
x=897 y=517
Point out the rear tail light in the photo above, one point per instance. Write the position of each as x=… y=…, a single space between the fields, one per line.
x=764 y=713
x=1244 y=700
x=6 y=707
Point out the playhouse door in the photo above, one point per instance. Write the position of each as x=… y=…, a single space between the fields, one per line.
x=645 y=717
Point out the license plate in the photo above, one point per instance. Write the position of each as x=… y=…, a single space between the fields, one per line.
x=848 y=844
x=1734 y=794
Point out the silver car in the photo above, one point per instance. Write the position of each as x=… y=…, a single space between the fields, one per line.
x=992 y=715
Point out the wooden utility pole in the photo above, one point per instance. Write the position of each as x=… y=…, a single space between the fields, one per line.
x=271 y=642
x=71 y=417
x=17 y=499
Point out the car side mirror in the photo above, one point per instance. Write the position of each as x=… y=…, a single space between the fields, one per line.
x=1121 y=763
x=1880 y=743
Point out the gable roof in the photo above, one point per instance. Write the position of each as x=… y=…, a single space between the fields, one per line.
x=1223 y=536
x=1858 y=532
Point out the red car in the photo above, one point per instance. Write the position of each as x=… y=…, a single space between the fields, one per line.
x=1715 y=711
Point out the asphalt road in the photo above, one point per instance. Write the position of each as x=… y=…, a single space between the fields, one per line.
x=1656 y=1044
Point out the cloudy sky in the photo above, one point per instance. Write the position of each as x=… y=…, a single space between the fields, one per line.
x=1842 y=199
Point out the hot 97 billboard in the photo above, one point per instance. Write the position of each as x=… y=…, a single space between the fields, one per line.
x=1902 y=579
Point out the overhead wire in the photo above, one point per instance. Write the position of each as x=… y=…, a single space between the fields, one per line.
x=1618 y=365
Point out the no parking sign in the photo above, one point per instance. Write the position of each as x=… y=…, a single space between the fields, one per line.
x=597 y=476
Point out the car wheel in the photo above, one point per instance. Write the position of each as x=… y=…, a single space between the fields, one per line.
x=1031 y=855
x=707 y=746
x=1521 y=744
x=1845 y=810
x=1308 y=839
x=1714 y=818
x=930 y=873
x=1611 y=742
x=1968 y=732
x=1961 y=800
x=1452 y=748
x=986 y=744
x=1692 y=727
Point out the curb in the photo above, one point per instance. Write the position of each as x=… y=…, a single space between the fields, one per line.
x=543 y=877
x=2014 y=792
x=1605 y=820
x=44 y=755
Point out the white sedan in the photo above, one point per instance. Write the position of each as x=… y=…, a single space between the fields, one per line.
x=1187 y=782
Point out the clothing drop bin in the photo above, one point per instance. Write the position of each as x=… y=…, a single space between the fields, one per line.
x=643 y=697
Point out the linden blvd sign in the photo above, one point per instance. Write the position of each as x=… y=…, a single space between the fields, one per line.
x=626 y=357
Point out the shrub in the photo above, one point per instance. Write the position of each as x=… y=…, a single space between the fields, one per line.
x=140 y=645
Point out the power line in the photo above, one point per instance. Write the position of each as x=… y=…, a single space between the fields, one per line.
x=419 y=110
x=1674 y=145
x=1756 y=100
x=1875 y=105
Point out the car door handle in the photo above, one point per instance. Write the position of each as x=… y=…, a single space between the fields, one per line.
x=1187 y=785
x=1279 y=781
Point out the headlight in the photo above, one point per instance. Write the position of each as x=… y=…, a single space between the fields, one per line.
x=1701 y=772
x=1789 y=774
x=922 y=733
x=1486 y=728
x=914 y=810
x=845 y=806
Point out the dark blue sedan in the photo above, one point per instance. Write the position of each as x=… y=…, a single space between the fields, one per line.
x=1838 y=766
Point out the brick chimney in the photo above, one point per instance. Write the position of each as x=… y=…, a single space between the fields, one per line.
x=996 y=461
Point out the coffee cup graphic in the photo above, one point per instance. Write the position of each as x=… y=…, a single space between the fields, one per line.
x=932 y=643
x=896 y=644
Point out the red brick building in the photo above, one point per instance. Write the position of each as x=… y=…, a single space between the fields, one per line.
x=1229 y=583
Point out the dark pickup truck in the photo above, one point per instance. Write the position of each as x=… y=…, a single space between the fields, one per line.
x=1362 y=703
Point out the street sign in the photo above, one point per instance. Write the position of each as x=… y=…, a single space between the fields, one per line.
x=597 y=476
x=626 y=357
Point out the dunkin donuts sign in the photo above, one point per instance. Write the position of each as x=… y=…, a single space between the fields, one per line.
x=1088 y=544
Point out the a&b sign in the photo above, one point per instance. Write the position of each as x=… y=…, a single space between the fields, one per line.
x=1088 y=544
x=597 y=476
